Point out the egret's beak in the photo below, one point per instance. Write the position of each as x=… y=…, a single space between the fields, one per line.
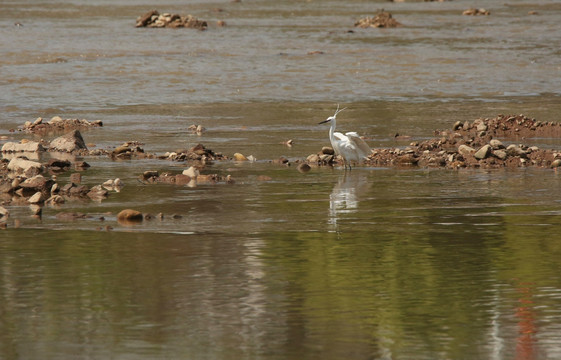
x=324 y=121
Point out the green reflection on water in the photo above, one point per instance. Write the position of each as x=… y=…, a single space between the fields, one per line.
x=415 y=293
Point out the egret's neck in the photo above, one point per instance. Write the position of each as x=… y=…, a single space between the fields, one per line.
x=332 y=128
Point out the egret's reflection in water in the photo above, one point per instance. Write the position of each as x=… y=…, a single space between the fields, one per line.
x=345 y=196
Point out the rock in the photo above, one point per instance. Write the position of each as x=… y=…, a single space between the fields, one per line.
x=457 y=125
x=496 y=144
x=37 y=183
x=58 y=165
x=483 y=152
x=145 y=175
x=23 y=166
x=55 y=200
x=154 y=19
x=76 y=178
x=481 y=127
x=382 y=20
x=304 y=168
x=145 y=19
x=239 y=157
x=208 y=178
x=97 y=193
x=4 y=213
x=313 y=159
x=69 y=142
x=5 y=186
x=500 y=154
x=81 y=165
x=130 y=215
x=514 y=150
x=326 y=150
x=473 y=12
x=36 y=210
x=36 y=198
x=181 y=179
x=121 y=150
x=192 y=172
x=465 y=150
x=30 y=146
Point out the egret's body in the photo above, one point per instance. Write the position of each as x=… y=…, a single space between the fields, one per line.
x=349 y=145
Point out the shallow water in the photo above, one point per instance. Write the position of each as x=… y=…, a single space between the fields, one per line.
x=376 y=263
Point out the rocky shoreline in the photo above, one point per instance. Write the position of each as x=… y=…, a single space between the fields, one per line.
x=469 y=145
x=26 y=180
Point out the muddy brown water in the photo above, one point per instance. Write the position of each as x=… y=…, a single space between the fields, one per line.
x=377 y=263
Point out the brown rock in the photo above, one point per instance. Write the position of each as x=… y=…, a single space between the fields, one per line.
x=130 y=215
x=76 y=178
x=181 y=179
x=382 y=20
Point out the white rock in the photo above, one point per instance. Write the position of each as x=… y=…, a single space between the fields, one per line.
x=192 y=172
x=30 y=146
x=36 y=198
x=28 y=167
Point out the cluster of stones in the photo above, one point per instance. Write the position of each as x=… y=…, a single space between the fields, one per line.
x=470 y=144
x=57 y=124
x=154 y=19
x=130 y=150
x=190 y=177
x=475 y=11
x=382 y=20
x=325 y=157
x=196 y=153
x=508 y=126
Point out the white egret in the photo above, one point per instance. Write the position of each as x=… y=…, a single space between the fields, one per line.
x=349 y=146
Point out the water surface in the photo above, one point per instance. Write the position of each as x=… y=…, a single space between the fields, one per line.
x=377 y=263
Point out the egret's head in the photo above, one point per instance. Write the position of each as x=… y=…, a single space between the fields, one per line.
x=332 y=118
x=329 y=119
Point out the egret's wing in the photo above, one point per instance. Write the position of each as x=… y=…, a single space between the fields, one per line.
x=339 y=136
x=361 y=146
